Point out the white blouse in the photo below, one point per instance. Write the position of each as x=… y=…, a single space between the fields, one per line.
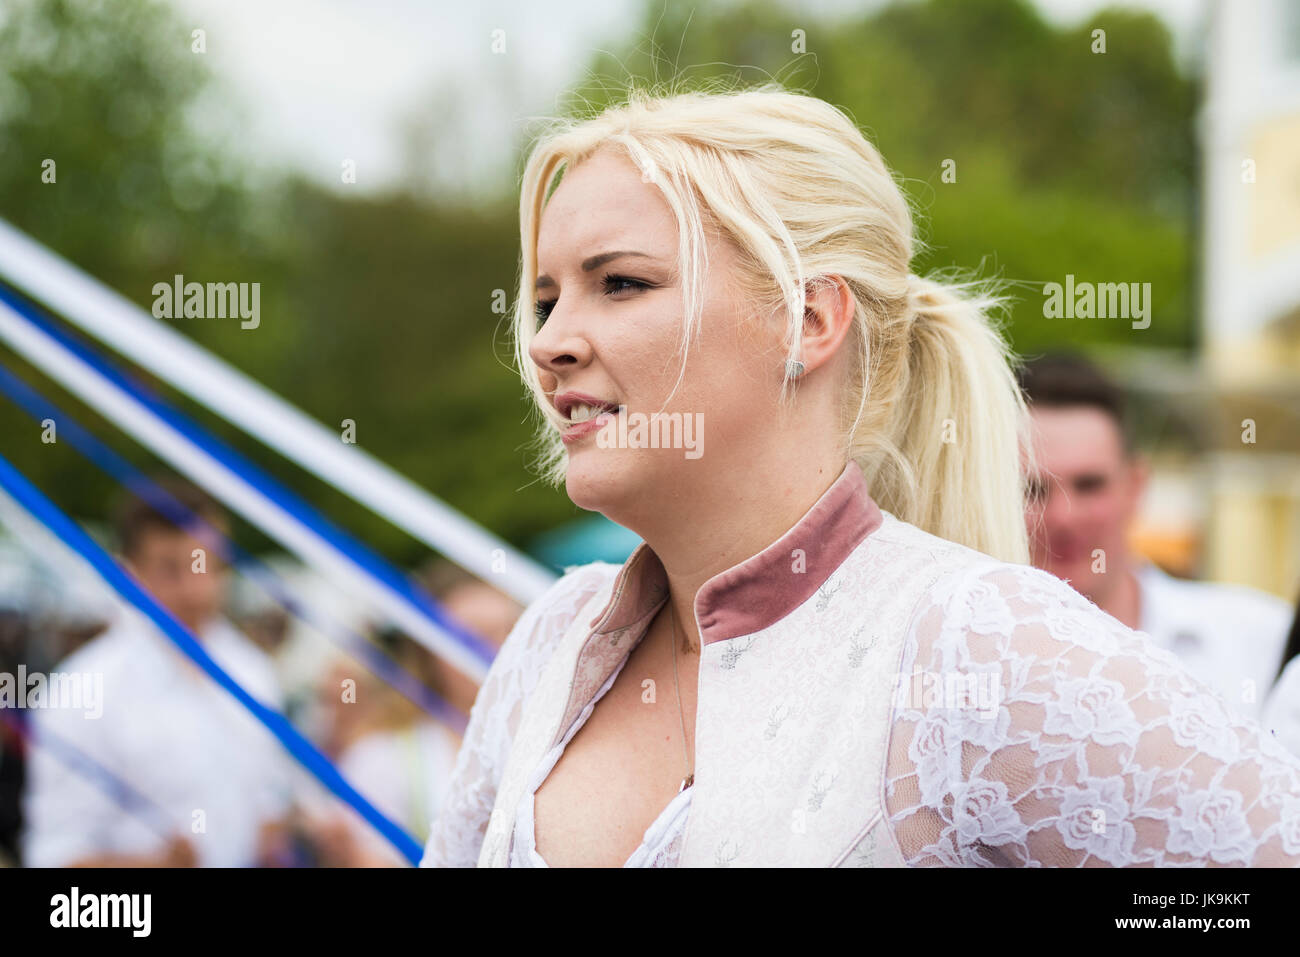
x=1084 y=739
x=1068 y=740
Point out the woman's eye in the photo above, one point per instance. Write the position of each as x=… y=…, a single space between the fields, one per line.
x=615 y=284
x=612 y=285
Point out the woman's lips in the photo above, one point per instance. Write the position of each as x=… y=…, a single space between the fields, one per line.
x=575 y=432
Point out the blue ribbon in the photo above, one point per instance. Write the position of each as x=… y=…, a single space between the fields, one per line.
x=44 y=511
x=113 y=464
x=373 y=564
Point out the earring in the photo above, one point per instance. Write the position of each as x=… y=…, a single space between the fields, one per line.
x=793 y=368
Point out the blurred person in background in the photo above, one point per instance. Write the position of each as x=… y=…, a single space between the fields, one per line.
x=343 y=709
x=13 y=635
x=47 y=611
x=166 y=729
x=402 y=761
x=398 y=757
x=1081 y=504
x=483 y=609
x=266 y=627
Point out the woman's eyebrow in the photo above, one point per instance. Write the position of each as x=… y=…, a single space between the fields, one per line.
x=594 y=262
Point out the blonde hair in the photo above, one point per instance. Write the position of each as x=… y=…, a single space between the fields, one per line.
x=933 y=414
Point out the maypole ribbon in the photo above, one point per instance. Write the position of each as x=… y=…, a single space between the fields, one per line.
x=47 y=513
x=151 y=344
x=230 y=476
x=111 y=463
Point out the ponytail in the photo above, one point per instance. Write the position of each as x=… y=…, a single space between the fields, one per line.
x=945 y=452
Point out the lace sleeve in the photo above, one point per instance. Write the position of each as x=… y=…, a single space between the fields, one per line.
x=456 y=834
x=1032 y=729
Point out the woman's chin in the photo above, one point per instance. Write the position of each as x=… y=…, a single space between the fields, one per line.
x=598 y=480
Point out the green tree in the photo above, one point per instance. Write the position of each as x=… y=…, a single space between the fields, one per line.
x=1067 y=161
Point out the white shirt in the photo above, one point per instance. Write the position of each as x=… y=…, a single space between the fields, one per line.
x=404 y=773
x=1229 y=636
x=174 y=736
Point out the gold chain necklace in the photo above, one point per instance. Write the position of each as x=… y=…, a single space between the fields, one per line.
x=690 y=773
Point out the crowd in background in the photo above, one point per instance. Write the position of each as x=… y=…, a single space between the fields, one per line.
x=212 y=786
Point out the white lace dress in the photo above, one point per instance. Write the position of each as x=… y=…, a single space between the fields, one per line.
x=662 y=839
x=1102 y=750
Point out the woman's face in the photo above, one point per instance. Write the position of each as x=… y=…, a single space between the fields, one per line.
x=612 y=331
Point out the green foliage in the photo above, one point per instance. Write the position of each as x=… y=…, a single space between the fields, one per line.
x=102 y=90
x=1068 y=161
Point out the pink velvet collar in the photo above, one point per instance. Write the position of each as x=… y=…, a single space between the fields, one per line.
x=764 y=588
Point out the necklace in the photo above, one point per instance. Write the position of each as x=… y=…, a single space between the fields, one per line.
x=690 y=774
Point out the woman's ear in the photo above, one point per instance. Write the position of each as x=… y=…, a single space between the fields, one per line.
x=828 y=317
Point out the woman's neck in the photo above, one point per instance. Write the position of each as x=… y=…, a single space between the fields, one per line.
x=724 y=525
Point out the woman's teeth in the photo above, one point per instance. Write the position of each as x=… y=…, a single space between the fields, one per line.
x=581 y=413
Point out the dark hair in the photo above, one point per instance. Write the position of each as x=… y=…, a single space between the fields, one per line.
x=440 y=577
x=1062 y=379
x=1292 y=648
x=169 y=505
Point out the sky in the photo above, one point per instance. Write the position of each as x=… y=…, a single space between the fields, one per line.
x=413 y=88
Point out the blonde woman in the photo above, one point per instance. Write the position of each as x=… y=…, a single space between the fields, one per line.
x=828 y=650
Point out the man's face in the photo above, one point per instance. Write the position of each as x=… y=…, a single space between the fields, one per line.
x=1082 y=498
x=189 y=584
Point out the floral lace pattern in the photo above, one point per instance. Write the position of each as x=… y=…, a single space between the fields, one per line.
x=1089 y=746
x=1102 y=749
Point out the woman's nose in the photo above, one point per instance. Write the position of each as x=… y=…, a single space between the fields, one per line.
x=559 y=345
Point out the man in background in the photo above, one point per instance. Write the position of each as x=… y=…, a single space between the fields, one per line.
x=1083 y=498
x=477 y=605
x=404 y=761
x=216 y=787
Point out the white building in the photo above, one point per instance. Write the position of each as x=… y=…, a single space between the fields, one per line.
x=1250 y=140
